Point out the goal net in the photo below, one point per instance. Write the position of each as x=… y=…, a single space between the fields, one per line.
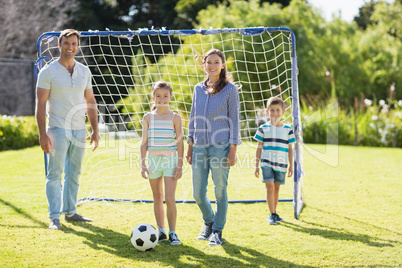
x=262 y=62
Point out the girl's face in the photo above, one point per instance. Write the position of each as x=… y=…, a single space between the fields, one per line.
x=162 y=97
x=275 y=112
x=213 y=65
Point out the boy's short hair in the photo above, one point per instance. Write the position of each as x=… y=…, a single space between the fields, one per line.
x=275 y=101
x=69 y=32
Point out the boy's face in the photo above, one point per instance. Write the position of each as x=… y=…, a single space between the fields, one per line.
x=275 y=112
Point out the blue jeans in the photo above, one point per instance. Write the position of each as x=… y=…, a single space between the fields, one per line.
x=68 y=154
x=211 y=158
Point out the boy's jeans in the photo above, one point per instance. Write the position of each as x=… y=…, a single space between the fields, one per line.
x=68 y=154
x=214 y=158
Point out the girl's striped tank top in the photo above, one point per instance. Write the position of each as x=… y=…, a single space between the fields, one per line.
x=161 y=137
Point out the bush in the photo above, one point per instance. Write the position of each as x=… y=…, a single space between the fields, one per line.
x=366 y=124
x=18 y=132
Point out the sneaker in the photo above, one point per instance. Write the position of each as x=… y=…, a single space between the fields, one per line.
x=216 y=239
x=55 y=224
x=272 y=219
x=162 y=237
x=174 y=240
x=77 y=217
x=205 y=232
x=277 y=218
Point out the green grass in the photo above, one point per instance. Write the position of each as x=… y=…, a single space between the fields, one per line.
x=352 y=219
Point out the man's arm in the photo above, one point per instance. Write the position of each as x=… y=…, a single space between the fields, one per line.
x=42 y=95
x=92 y=113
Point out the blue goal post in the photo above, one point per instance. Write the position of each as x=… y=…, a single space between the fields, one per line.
x=261 y=60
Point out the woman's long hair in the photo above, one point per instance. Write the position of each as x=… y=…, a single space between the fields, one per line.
x=224 y=76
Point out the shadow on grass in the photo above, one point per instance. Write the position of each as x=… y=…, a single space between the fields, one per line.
x=350 y=219
x=40 y=224
x=164 y=254
x=253 y=258
x=340 y=234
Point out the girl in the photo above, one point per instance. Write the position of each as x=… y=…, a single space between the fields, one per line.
x=213 y=137
x=162 y=137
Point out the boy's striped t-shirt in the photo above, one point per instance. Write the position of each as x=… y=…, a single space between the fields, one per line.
x=275 y=148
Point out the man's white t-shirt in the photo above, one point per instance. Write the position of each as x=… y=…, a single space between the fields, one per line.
x=66 y=103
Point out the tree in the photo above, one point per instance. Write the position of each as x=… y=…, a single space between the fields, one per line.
x=381 y=49
x=23 y=23
x=365 y=12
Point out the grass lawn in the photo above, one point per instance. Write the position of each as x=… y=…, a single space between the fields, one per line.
x=353 y=218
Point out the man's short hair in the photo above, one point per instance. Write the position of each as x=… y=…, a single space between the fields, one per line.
x=69 y=32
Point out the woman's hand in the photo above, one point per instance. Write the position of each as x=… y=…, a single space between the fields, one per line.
x=232 y=158
x=189 y=154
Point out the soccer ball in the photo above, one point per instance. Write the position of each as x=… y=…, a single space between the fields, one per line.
x=144 y=237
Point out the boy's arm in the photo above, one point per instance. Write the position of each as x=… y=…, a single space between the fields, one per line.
x=258 y=159
x=290 y=156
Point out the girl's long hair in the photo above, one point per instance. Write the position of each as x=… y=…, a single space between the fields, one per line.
x=224 y=76
x=157 y=85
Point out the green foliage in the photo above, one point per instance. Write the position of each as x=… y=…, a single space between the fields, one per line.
x=355 y=61
x=365 y=12
x=368 y=123
x=18 y=132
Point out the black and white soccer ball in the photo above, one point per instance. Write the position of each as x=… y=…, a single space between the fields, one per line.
x=144 y=237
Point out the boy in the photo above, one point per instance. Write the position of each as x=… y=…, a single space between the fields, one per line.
x=274 y=148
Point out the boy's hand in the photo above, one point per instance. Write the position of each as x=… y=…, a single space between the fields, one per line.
x=257 y=172
x=290 y=172
x=177 y=173
x=144 y=172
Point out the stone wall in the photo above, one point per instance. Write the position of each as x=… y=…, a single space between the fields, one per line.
x=17 y=87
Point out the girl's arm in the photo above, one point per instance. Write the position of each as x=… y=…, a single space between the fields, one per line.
x=290 y=172
x=180 y=146
x=258 y=159
x=144 y=146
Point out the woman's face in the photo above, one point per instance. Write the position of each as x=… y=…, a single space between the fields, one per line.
x=213 y=65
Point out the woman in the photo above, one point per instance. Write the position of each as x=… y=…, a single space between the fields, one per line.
x=213 y=139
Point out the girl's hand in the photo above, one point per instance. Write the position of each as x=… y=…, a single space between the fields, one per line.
x=232 y=158
x=257 y=172
x=189 y=155
x=177 y=173
x=144 y=172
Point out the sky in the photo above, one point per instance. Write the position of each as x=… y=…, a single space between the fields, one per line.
x=349 y=8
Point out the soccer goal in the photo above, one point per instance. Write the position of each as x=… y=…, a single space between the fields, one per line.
x=125 y=64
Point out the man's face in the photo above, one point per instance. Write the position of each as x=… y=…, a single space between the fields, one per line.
x=68 y=46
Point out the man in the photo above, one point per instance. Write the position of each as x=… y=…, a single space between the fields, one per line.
x=65 y=86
